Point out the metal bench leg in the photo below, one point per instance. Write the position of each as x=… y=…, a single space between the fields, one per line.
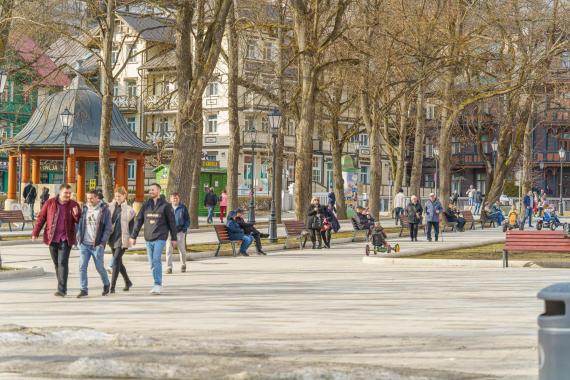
x=401 y=230
x=233 y=249
x=505 y=259
x=10 y=226
x=23 y=225
x=218 y=250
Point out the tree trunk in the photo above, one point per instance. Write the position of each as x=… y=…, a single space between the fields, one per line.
x=375 y=154
x=444 y=159
x=107 y=81
x=279 y=171
x=6 y=8
x=336 y=152
x=233 y=118
x=279 y=70
x=419 y=135
x=527 y=153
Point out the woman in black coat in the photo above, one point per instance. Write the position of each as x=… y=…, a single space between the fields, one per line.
x=315 y=222
x=414 y=213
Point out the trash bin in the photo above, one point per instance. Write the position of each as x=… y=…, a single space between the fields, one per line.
x=554 y=333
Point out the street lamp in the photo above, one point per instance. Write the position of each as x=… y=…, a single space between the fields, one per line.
x=274 y=123
x=251 y=212
x=67 y=122
x=436 y=156
x=562 y=155
x=495 y=146
x=541 y=166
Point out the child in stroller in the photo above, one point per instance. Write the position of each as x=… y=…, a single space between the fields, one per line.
x=512 y=220
x=379 y=243
x=549 y=219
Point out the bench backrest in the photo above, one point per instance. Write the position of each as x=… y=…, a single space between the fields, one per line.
x=12 y=216
x=537 y=241
x=404 y=220
x=222 y=232
x=294 y=227
x=468 y=216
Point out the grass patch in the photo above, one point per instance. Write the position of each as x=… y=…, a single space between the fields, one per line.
x=6 y=269
x=493 y=252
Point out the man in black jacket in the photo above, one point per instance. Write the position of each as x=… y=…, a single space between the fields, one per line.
x=30 y=194
x=210 y=202
x=158 y=219
x=249 y=229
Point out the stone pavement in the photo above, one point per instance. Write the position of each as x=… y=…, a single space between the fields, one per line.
x=310 y=314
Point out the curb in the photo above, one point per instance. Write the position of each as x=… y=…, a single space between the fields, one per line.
x=22 y=273
x=436 y=248
x=11 y=243
x=444 y=263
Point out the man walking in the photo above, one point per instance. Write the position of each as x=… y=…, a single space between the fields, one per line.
x=158 y=219
x=331 y=199
x=30 y=194
x=60 y=214
x=94 y=230
x=433 y=210
x=477 y=200
x=528 y=205
x=182 y=223
x=210 y=201
x=399 y=204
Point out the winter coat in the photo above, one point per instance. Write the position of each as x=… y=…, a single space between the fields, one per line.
x=400 y=201
x=235 y=232
x=44 y=197
x=331 y=198
x=224 y=199
x=247 y=228
x=210 y=199
x=127 y=222
x=331 y=217
x=414 y=212
x=315 y=212
x=433 y=210
x=527 y=201
x=104 y=226
x=158 y=220
x=30 y=194
x=478 y=197
x=182 y=218
x=49 y=216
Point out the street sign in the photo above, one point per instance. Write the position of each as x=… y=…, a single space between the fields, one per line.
x=92 y=184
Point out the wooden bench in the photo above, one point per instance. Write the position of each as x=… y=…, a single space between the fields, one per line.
x=485 y=219
x=446 y=223
x=469 y=218
x=534 y=241
x=356 y=230
x=224 y=238
x=404 y=223
x=294 y=229
x=12 y=216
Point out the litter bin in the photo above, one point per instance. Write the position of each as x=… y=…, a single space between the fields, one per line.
x=554 y=333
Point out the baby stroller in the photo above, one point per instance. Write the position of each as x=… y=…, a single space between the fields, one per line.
x=512 y=221
x=549 y=220
x=379 y=243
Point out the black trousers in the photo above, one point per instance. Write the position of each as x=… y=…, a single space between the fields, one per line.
x=257 y=238
x=119 y=267
x=316 y=234
x=435 y=228
x=414 y=230
x=326 y=237
x=60 y=256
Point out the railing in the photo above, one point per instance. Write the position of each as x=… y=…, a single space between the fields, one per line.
x=126 y=102
x=168 y=102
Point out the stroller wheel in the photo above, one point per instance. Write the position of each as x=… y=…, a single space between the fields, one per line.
x=367 y=250
x=552 y=226
x=389 y=249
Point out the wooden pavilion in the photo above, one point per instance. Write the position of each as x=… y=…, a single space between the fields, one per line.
x=43 y=139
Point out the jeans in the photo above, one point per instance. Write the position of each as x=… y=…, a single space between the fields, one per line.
x=119 y=267
x=210 y=214
x=470 y=201
x=435 y=226
x=398 y=212
x=245 y=243
x=414 y=231
x=181 y=244
x=86 y=251
x=32 y=210
x=154 y=252
x=477 y=208
x=60 y=256
x=527 y=214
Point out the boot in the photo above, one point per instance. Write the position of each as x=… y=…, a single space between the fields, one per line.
x=128 y=285
x=82 y=293
x=105 y=290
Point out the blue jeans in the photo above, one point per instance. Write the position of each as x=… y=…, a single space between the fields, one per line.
x=86 y=251
x=154 y=252
x=477 y=208
x=245 y=243
x=210 y=214
x=527 y=214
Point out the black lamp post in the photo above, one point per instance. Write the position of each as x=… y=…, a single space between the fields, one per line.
x=436 y=156
x=274 y=124
x=562 y=154
x=495 y=146
x=541 y=166
x=67 y=123
x=251 y=212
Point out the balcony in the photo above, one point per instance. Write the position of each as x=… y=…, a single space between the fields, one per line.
x=157 y=103
x=126 y=102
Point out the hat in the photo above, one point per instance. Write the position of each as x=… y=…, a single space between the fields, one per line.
x=238 y=210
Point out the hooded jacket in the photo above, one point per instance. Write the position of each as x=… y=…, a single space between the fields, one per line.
x=158 y=220
x=234 y=230
x=104 y=226
x=182 y=218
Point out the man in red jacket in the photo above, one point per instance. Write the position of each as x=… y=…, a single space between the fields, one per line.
x=60 y=215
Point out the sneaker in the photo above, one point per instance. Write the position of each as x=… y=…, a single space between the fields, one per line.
x=112 y=291
x=82 y=293
x=183 y=269
x=169 y=271
x=156 y=289
x=105 y=290
x=261 y=253
x=244 y=253
x=59 y=294
x=127 y=287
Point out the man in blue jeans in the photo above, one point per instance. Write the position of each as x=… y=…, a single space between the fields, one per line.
x=237 y=233
x=94 y=230
x=528 y=204
x=158 y=219
x=210 y=202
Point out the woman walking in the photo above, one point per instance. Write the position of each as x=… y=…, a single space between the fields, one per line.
x=223 y=204
x=315 y=222
x=414 y=213
x=123 y=221
x=44 y=197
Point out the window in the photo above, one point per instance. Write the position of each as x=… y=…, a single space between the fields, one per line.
x=565 y=60
x=263 y=172
x=361 y=139
x=317 y=169
x=132 y=88
x=330 y=178
x=212 y=89
x=428 y=148
x=211 y=156
x=455 y=145
x=115 y=89
x=132 y=123
x=268 y=51
x=251 y=50
x=247 y=169
x=456 y=183
x=429 y=181
x=249 y=123
x=430 y=111
x=132 y=53
x=163 y=125
x=212 y=124
x=131 y=172
x=114 y=55
x=486 y=145
x=481 y=182
x=364 y=174
x=291 y=127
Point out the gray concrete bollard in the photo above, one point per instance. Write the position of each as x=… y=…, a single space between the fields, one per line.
x=554 y=333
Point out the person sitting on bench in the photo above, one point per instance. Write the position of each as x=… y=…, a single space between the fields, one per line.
x=453 y=216
x=235 y=232
x=249 y=229
x=362 y=221
x=496 y=214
